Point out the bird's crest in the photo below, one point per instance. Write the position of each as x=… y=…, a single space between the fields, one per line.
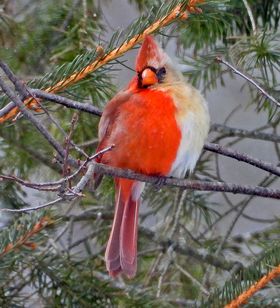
x=150 y=54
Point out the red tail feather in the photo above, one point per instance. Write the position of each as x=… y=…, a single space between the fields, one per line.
x=121 y=252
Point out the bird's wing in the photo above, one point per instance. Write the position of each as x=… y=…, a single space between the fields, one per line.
x=110 y=114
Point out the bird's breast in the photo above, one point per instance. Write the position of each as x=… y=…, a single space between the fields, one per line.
x=145 y=133
x=193 y=119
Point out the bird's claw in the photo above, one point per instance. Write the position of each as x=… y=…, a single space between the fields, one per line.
x=161 y=181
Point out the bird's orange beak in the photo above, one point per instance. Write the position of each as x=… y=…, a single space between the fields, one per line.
x=149 y=77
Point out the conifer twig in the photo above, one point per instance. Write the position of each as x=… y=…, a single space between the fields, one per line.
x=24 y=240
x=251 y=16
x=243 y=298
x=180 y=11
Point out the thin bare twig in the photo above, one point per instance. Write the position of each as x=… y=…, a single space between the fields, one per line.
x=193 y=279
x=238 y=132
x=67 y=102
x=55 y=185
x=249 y=79
x=216 y=148
x=38 y=186
x=27 y=113
x=71 y=193
x=33 y=208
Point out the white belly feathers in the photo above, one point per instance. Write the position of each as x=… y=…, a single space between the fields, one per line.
x=193 y=119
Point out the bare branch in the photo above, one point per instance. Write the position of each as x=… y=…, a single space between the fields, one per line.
x=249 y=79
x=28 y=114
x=190 y=184
x=216 y=148
x=64 y=101
x=55 y=185
x=33 y=208
x=238 y=132
x=70 y=195
x=37 y=186
x=67 y=102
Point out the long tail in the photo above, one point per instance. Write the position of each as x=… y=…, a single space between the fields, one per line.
x=121 y=251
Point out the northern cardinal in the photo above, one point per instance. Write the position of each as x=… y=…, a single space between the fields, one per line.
x=158 y=125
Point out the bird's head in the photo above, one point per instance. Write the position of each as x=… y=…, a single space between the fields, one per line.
x=153 y=66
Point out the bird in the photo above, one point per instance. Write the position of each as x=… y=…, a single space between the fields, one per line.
x=158 y=125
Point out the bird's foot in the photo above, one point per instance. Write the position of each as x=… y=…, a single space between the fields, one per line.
x=161 y=181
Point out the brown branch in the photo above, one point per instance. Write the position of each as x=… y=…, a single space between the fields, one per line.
x=180 y=11
x=250 y=80
x=243 y=298
x=33 y=208
x=67 y=102
x=64 y=101
x=67 y=142
x=37 y=186
x=94 y=167
x=190 y=184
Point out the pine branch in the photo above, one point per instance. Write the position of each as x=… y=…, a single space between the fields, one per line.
x=246 y=295
x=251 y=16
x=24 y=239
x=136 y=33
x=247 y=281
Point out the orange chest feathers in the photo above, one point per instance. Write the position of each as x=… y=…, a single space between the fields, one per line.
x=145 y=133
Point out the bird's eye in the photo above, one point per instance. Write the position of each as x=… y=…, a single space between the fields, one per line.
x=161 y=74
